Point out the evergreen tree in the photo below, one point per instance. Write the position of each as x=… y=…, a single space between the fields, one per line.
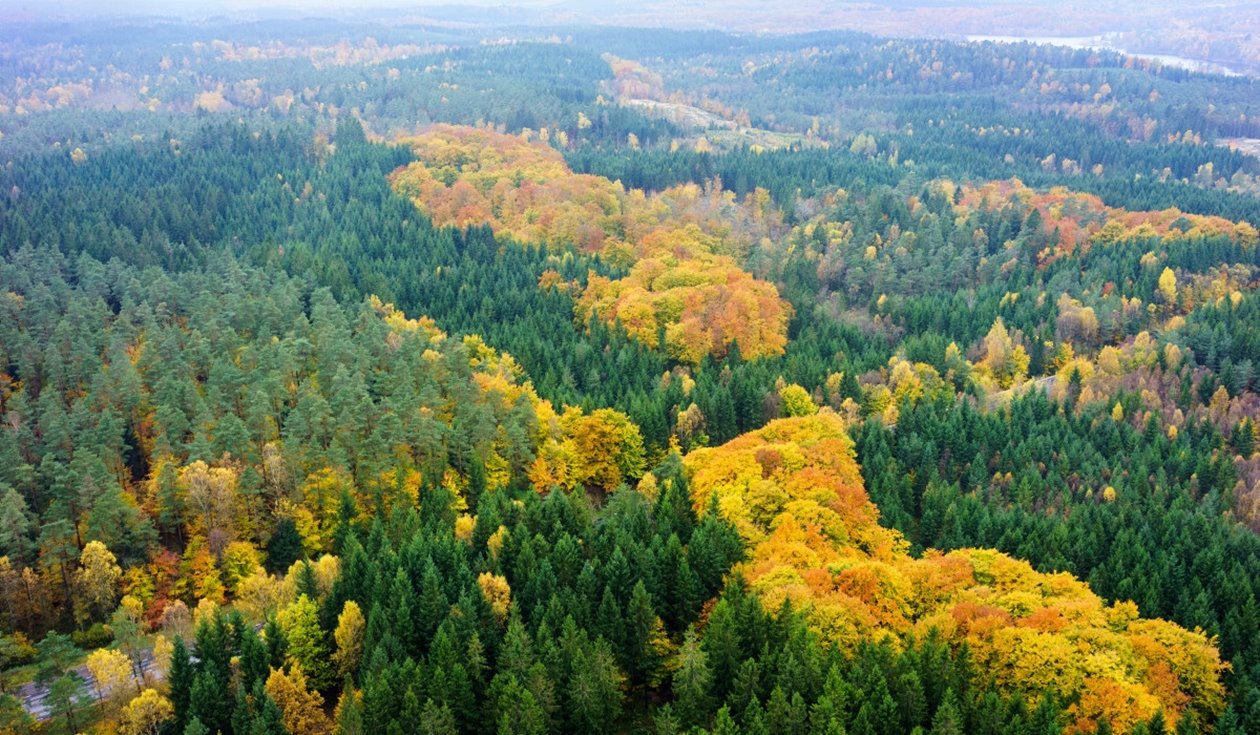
x=692 y=682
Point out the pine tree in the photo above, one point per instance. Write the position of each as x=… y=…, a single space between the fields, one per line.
x=947 y=720
x=692 y=682
x=180 y=680
x=284 y=547
x=723 y=647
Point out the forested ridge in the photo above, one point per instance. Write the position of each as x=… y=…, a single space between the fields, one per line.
x=663 y=393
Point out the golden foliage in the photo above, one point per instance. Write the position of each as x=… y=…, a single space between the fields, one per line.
x=211 y=494
x=146 y=714
x=793 y=491
x=497 y=592
x=1005 y=361
x=349 y=638
x=301 y=708
x=600 y=450
x=96 y=580
x=797 y=401
x=806 y=461
x=110 y=670
x=241 y=560
x=681 y=244
x=1168 y=286
x=1083 y=220
x=260 y=595
x=568 y=449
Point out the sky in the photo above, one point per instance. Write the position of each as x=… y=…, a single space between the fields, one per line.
x=687 y=13
x=208 y=8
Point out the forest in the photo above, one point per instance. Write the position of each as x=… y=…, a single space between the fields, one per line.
x=409 y=375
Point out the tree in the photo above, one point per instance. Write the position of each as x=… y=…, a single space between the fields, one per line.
x=146 y=714
x=608 y=447
x=211 y=493
x=180 y=679
x=15 y=526
x=302 y=708
x=210 y=700
x=199 y=573
x=127 y=626
x=1168 y=287
x=284 y=547
x=110 y=671
x=349 y=712
x=14 y=719
x=646 y=641
x=797 y=401
x=56 y=654
x=268 y=719
x=436 y=719
x=97 y=580
x=947 y=720
x=240 y=561
x=63 y=693
x=349 y=639
x=692 y=681
x=594 y=688
x=518 y=710
x=722 y=645
x=497 y=592
x=307 y=646
x=1005 y=360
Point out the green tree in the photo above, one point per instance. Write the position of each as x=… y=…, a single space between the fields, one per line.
x=307 y=642
x=948 y=720
x=692 y=682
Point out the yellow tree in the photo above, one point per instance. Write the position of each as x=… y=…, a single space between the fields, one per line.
x=199 y=575
x=1005 y=361
x=1168 y=286
x=127 y=625
x=609 y=447
x=797 y=401
x=301 y=709
x=497 y=593
x=212 y=496
x=162 y=650
x=97 y=580
x=240 y=561
x=349 y=638
x=110 y=670
x=146 y=714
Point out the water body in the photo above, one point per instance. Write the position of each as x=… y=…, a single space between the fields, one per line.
x=1106 y=42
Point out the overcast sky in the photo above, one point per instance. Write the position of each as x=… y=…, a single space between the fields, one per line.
x=207 y=8
x=663 y=11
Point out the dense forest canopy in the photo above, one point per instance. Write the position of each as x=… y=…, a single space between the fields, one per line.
x=451 y=377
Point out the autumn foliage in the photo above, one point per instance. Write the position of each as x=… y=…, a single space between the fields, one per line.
x=570 y=448
x=682 y=245
x=1083 y=220
x=794 y=492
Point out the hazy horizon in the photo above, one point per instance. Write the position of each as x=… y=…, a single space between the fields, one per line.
x=664 y=13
